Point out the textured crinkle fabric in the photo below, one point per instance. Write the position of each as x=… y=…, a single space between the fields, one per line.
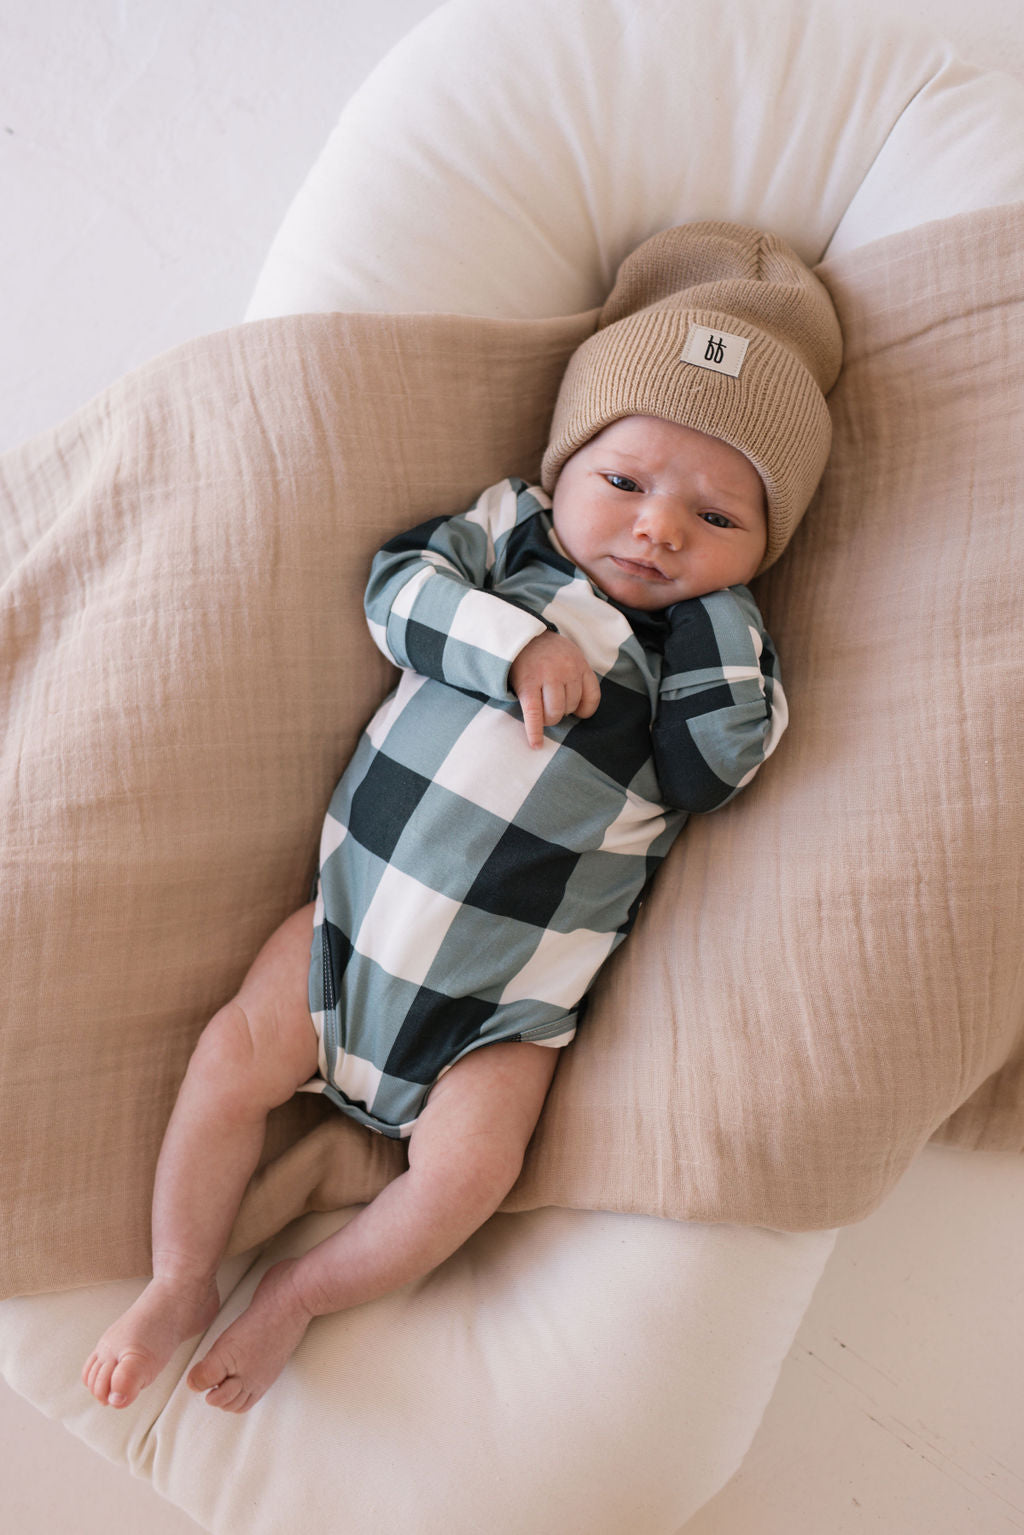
x=826 y=972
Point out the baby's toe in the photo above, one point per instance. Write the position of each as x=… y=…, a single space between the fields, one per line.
x=199 y=1378
x=130 y=1374
x=99 y=1370
x=227 y=1395
x=209 y=1372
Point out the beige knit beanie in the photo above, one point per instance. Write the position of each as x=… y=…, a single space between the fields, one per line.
x=723 y=329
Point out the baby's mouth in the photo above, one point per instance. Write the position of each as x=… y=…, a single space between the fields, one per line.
x=641 y=568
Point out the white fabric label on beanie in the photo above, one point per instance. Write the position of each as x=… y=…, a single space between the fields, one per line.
x=718 y=350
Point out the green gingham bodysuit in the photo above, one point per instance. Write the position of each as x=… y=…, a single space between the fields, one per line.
x=470 y=886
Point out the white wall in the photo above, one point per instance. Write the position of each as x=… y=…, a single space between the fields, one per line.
x=148 y=151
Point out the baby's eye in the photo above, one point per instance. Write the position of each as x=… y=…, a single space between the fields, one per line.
x=622 y=482
x=717 y=520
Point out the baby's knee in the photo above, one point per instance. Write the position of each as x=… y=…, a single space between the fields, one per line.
x=475 y=1176
x=227 y=1043
x=226 y=1060
x=478 y=1162
x=257 y=1055
x=498 y=1160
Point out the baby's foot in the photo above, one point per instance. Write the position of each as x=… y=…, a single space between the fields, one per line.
x=135 y=1349
x=251 y=1354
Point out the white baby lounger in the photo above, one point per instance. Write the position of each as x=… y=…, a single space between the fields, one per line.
x=583 y=1371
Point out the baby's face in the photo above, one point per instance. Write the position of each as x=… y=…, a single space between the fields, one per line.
x=654 y=512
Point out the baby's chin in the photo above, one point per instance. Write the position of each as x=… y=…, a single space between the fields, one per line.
x=653 y=596
x=646 y=596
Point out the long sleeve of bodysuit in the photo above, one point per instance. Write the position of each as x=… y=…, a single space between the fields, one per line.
x=721 y=707
x=428 y=606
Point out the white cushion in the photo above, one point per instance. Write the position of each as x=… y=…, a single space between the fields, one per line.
x=566 y=1370
x=504 y=159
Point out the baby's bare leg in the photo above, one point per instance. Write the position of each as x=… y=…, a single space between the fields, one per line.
x=465 y=1153
x=251 y=1056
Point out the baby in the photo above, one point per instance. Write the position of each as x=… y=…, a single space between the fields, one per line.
x=582 y=666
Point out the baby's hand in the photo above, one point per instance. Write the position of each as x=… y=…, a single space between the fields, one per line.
x=551 y=678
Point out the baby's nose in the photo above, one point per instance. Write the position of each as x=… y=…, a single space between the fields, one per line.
x=660 y=525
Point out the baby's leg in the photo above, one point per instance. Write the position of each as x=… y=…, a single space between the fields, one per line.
x=465 y=1153
x=251 y=1056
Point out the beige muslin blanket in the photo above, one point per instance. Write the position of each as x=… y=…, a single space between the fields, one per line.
x=827 y=973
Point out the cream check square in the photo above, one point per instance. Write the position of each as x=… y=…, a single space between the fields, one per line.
x=489 y=624
x=560 y=968
x=404 y=925
x=496 y=737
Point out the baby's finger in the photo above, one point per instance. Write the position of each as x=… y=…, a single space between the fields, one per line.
x=555 y=708
x=590 y=695
x=532 y=705
x=571 y=695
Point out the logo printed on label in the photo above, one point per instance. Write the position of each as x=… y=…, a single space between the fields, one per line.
x=718 y=350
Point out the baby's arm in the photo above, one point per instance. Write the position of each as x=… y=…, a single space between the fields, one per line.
x=721 y=707
x=428 y=606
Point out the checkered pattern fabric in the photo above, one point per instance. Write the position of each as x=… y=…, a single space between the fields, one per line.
x=470 y=886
